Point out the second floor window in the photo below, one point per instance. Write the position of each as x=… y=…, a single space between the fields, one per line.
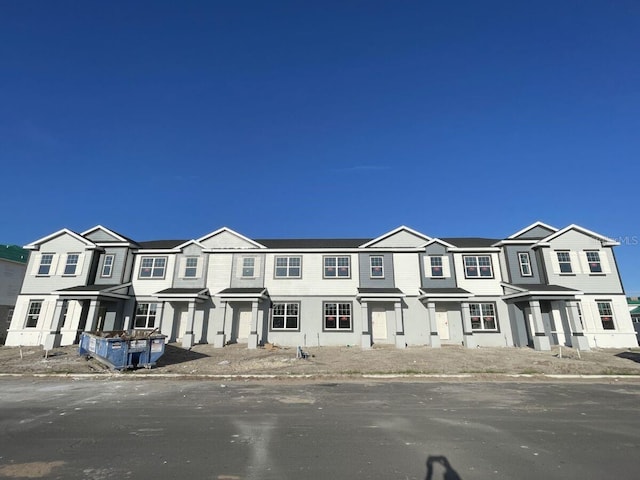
x=46 y=260
x=248 y=267
x=377 y=268
x=153 y=267
x=72 y=264
x=191 y=267
x=593 y=259
x=525 y=264
x=288 y=267
x=107 y=266
x=437 y=269
x=337 y=267
x=564 y=262
x=477 y=266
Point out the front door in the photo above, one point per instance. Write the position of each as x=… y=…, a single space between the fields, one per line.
x=442 y=320
x=244 y=324
x=183 y=320
x=379 y=324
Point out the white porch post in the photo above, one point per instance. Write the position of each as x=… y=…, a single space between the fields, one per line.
x=400 y=342
x=220 y=338
x=433 y=327
x=53 y=338
x=253 y=334
x=188 y=337
x=365 y=339
x=540 y=339
x=468 y=340
x=92 y=316
x=578 y=339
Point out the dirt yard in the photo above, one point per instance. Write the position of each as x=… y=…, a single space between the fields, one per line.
x=233 y=360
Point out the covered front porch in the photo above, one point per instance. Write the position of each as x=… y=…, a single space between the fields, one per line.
x=382 y=318
x=242 y=318
x=187 y=319
x=545 y=315
x=87 y=308
x=448 y=317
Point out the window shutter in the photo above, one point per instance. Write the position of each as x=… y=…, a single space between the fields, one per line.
x=575 y=262
x=426 y=260
x=239 y=264
x=256 y=267
x=36 y=259
x=446 y=271
x=54 y=264
x=182 y=268
x=555 y=266
x=80 y=262
x=604 y=261
x=199 y=267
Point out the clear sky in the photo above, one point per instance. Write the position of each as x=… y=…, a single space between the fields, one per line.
x=171 y=119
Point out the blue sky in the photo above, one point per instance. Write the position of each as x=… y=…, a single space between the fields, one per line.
x=320 y=119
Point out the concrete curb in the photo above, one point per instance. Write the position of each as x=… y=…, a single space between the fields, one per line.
x=492 y=377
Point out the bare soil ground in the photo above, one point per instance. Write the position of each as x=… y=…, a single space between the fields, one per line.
x=235 y=360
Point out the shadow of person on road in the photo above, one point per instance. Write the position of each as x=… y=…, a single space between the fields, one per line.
x=439 y=466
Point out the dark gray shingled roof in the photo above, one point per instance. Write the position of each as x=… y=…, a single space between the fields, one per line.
x=470 y=242
x=161 y=244
x=181 y=291
x=444 y=291
x=535 y=287
x=373 y=291
x=88 y=288
x=246 y=291
x=301 y=243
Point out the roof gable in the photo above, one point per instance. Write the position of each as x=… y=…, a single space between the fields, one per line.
x=535 y=231
x=65 y=231
x=103 y=234
x=401 y=237
x=225 y=238
x=605 y=241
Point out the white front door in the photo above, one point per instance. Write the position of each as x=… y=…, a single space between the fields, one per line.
x=183 y=320
x=244 y=324
x=379 y=324
x=442 y=320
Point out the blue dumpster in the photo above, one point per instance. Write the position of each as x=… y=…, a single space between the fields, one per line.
x=123 y=349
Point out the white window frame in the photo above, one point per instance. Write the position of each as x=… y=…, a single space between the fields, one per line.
x=526 y=264
x=153 y=267
x=483 y=312
x=69 y=263
x=565 y=260
x=45 y=268
x=147 y=314
x=33 y=313
x=107 y=265
x=594 y=263
x=287 y=266
x=605 y=311
x=337 y=314
x=375 y=270
x=190 y=271
x=290 y=311
x=335 y=265
x=473 y=262
x=433 y=266
x=248 y=269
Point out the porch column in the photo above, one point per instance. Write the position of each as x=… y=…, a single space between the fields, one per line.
x=400 y=343
x=540 y=339
x=220 y=338
x=365 y=339
x=92 y=316
x=433 y=327
x=253 y=335
x=578 y=339
x=188 y=337
x=468 y=340
x=53 y=338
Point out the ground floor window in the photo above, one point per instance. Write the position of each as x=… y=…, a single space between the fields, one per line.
x=35 y=307
x=483 y=317
x=606 y=315
x=146 y=315
x=337 y=316
x=285 y=316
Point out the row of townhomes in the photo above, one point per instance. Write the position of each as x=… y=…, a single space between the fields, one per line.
x=540 y=287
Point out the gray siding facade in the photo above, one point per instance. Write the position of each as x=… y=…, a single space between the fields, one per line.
x=513 y=263
x=366 y=280
x=444 y=282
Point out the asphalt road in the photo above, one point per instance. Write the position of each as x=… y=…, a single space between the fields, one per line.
x=120 y=429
